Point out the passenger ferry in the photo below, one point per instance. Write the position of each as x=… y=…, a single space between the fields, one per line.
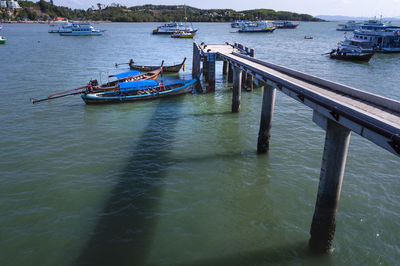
x=350 y=25
x=377 y=36
x=259 y=26
x=284 y=24
x=170 y=28
x=80 y=29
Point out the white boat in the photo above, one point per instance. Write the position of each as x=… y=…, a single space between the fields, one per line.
x=80 y=29
x=377 y=36
x=170 y=28
x=55 y=26
x=350 y=25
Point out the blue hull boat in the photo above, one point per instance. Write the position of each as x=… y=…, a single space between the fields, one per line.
x=124 y=95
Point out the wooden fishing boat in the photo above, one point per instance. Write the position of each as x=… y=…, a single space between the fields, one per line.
x=166 y=69
x=351 y=56
x=124 y=77
x=136 y=94
x=129 y=77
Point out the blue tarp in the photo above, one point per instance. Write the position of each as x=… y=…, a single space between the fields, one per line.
x=138 y=85
x=125 y=74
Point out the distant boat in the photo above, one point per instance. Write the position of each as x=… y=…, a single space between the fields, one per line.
x=55 y=26
x=350 y=55
x=128 y=94
x=80 y=29
x=166 y=69
x=239 y=23
x=255 y=27
x=182 y=34
x=172 y=27
x=350 y=25
x=308 y=37
x=3 y=40
x=284 y=24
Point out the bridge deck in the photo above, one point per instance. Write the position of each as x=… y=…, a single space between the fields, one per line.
x=374 y=110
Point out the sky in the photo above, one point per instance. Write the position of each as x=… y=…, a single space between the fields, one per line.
x=356 y=8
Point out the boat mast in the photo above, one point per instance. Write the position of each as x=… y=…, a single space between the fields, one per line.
x=185 y=17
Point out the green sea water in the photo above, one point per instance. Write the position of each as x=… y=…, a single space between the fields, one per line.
x=177 y=181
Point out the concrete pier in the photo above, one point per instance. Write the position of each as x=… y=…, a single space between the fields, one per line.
x=267 y=111
x=330 y=184
x=237 y=89
x=338 y=109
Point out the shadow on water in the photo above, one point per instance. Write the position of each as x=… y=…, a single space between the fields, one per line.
x=124 y=230
x=293 y=253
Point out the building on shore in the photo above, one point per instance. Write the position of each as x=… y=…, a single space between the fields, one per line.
x=10 y=4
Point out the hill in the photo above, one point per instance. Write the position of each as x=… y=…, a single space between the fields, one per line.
x=149 y=13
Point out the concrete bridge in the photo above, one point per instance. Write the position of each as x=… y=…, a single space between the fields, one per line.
x=338 y=109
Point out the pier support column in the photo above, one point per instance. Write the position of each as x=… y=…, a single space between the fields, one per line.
x=330 y=184
x=244 y=80
x=267 y=112
x=211 y=59
x=237 y=89
x=225 y=68
x=250 y=78
x=205 y=68
x=230 y=73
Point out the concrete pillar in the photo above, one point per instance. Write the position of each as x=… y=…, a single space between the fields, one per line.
x=195 y=62
x=225 y=68
x=330 y=183
x=250 y=78
x=211 y=75
x=205 y=68
x=267 y=112
x=230 y=73
x=236 y=94
x=244 y=80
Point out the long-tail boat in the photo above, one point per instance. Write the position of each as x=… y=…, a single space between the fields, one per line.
x=166 y=69
x=351 y=55
x=129 y=94
x=94 y=87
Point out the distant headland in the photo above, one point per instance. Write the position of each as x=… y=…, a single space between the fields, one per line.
x=44 y=11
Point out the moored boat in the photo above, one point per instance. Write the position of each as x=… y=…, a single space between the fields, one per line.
x=350 y=25
x=3 y=40
x=127 y=94
x=123 y=79
x=166 y=69
x=183 y=34
x=284 y=24
x=350 y=55
x=55 y=26
x=375 y=35
x=239 y=23
x=170 y=28
x=80 y=29
x=256 y=27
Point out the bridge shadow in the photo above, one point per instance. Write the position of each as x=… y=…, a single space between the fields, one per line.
x=123 y=233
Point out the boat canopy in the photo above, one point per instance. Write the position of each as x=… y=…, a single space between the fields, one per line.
x=137 y=85
x=125 y=74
